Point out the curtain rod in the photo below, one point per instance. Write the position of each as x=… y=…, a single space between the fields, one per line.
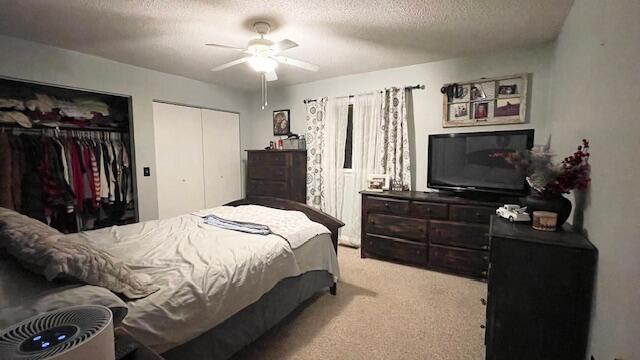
x=415 y=87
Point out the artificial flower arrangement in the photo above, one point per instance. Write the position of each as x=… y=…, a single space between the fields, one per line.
x=548 y=178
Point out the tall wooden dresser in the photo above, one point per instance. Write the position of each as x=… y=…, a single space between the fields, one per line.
x=540 y=290
x=277 y=173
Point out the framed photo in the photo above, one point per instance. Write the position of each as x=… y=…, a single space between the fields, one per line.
x=477 y=92
x=459 y=111
x=480 y=110
x=507 y=90
x=507 y=107
x=378 y=182
x=281 y=122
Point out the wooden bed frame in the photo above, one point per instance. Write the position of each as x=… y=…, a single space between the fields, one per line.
x=327 y=220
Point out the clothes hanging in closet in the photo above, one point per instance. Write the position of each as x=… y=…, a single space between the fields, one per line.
x=52 y=177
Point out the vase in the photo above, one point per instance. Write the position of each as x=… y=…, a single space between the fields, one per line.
x=556 y=203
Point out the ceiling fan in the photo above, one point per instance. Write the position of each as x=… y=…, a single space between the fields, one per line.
x=264 y=56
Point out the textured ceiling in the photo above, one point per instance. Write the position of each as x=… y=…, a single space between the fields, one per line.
x=343 y=37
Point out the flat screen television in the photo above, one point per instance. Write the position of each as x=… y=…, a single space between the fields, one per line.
x=463 y=162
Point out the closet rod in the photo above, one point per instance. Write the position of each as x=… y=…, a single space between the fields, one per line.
x=63 y=128
x=415 y=87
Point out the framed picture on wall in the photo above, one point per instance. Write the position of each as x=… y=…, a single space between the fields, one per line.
x=492 y=101
x=281 y=122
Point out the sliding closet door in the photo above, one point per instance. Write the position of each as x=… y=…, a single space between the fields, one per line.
x=221 y=143
x=179 y=159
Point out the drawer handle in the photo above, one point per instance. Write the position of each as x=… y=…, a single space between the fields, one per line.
x=483 y=301
x=484 y=273
x=485 y=247
x=482 y=326
x=386 y=205
x=485 y=257
x=477 y=214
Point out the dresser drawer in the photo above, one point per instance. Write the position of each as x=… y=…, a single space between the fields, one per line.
x=471 y=213
x=396 y=226
x=267 y=188
x=388 y=206
x=268 y=158
x=473 y=236
x=267 y=172
x=461 y=261
x=427 y=210
x=406 y=251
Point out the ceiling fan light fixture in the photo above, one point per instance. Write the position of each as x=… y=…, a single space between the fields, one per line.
x=262 y=64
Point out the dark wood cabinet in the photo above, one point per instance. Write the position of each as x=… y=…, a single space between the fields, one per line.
x=435 y=230
x=540 y=290
x=277 y=173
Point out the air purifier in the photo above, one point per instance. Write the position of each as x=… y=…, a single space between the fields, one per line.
x=73 y=333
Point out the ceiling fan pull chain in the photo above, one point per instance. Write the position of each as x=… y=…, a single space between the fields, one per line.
x=263 y=87
x=266 y=91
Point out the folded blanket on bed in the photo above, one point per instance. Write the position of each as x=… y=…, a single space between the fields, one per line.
x=241 y=226
x=293 y=226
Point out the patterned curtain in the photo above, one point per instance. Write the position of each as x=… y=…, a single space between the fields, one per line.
x=394 y=153
x=315 y=143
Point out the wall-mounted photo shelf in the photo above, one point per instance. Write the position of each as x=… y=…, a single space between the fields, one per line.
x=486 y=101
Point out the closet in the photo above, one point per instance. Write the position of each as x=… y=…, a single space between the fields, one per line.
x=197 y=158
x=66 y=156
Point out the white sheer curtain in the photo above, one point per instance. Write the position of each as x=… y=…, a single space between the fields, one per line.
x=367 y=135
x=335 y=137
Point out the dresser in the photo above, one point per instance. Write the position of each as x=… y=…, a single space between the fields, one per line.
x=277 y=173
x=540 y=290
x=432 y=230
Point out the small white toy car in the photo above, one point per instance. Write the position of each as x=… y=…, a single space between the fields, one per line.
x=513 y=213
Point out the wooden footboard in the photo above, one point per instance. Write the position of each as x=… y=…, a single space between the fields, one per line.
x=329 y=221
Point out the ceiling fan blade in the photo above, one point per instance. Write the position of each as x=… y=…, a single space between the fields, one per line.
x=230 y=64
x=271 y=76
x=283 y=45
x=226 y=47
x=297 y=63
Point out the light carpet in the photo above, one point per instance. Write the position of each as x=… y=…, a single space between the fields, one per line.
x=382 y=311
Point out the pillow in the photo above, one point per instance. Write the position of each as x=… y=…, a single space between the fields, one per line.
x=24 y=294
x=46 y=251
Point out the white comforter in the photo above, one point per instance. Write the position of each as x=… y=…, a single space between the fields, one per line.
x=206 y=274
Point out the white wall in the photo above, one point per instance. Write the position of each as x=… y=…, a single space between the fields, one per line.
x=37 y=62
x=427 y=107
x=595 y=95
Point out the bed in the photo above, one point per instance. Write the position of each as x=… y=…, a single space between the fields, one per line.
x=219 y=290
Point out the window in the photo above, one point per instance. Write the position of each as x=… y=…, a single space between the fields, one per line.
x=348 y=145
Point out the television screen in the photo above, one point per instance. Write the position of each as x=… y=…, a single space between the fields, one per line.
x=466 y=161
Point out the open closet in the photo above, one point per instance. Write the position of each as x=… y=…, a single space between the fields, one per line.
x=197 y=158
x=66 y=156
